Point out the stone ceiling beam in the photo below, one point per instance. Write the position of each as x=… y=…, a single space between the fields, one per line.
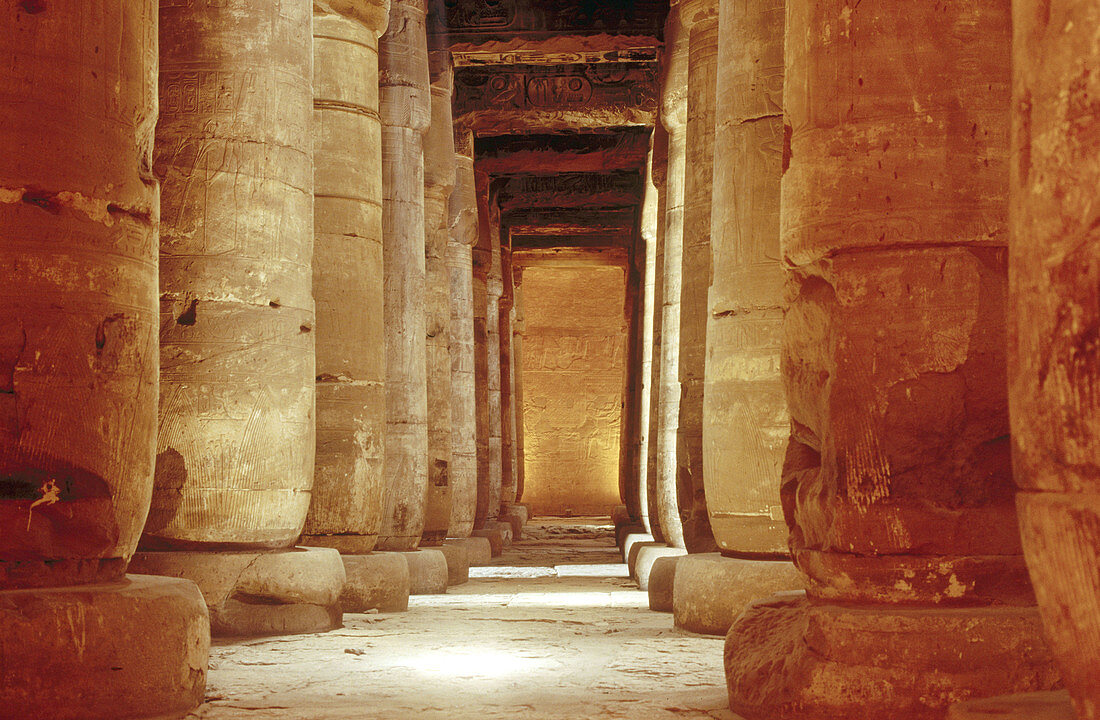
x=570 y=190
x=551 y=154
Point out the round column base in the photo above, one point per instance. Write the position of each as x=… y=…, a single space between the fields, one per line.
x=710 y=590
x=630 y=540
x=1026 y=706
x=647 y=555
x=136 y=648
x=622 y=532
x=480 y=551
x=505 y=529
x=259 y=593
x=662 y=578
x=787 y=658
x=495 y=538
x=427 y=571
x=458 y=561
x=376 y=581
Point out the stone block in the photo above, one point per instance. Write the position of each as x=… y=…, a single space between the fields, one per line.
x=256 y=593
x=1053 y=705
x=630 y=540
x=662 y=578
x=505 y=529
x=632 y=555
x=427 y=571
x=710 y=590
x=647 y=555
x=458 y=561
x=376 y=581
x=789 y=659
x=137 y=648
x=479 y=550
x=495 y=538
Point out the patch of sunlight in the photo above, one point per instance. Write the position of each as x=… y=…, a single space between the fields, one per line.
x=473 y=663
x=549 y=600
x=608 y=570
x=504 y=571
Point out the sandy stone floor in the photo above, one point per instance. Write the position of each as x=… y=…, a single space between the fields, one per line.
x=554 y=629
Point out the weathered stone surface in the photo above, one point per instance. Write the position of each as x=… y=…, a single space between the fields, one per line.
x=458 y=562
x=348 y=488
x=507 y=383
x=375 y=581
x=479 y=550
x=427 y=571
x=700 y=18
x=630 y=540
x=481 y=262
x=515 y=519
x=1052 y=372
x=745 y=418
x=575 y=338
x=439 y=181
x=136 y=648
x=494 y=537
x=659 y=173
x=635 y=550
x=505 y=529
x=788 y=659
x=519 y=330
x=463 y=235
x=405 y=106
x=1054 y=705
x=78 y=239
x=278 y=592
x=662 y=582
x=601 y=151
x=494 y=287
x=647 y=555
x=674 y=75
x=480 y=21
x=235 y=453
x=622 y=532
x=710 y=590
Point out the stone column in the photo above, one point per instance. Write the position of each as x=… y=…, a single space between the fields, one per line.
x=463 y=236
x=236 y=447
x=494 y=287
x=674 y=119
x=745 y=420
x=406 y=115
x=648 y=260
x=629 y=414
x=700 y=20
x=651 y=516
x=897 y=485
x=439 y=181
x=519 y=327
x=348 y=489
x=79 y=209
x=1055 y=259
x=482 y=257
x=507 y=416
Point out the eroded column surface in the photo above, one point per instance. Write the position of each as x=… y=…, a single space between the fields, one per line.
x=79 y=209
x=507 y=414
x=519 y=328
x=897 y=484
x=439 y=181
x=701 y=19
x=406 y=115
x=482 y=257
x=745 y=419
x=348 y=489
x=236 y=447
x=674 y=119
x=462 y=210
x=1055 y=312
x=494 y=287
x=650 y=508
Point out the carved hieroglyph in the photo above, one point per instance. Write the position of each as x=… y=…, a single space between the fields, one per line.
x=701 y=20
x=235 y=455
x=1055 y=314
x=463 y=235
x=745 y=419
x=78 y=243
x=439 y=181
x=405 y=98
x=348 y=490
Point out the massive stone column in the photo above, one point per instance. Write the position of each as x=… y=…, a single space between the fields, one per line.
x=674 y=119
x=648 y=237
x=629 y=415
x=349 y=490
x=236 y=447
x=745 y=420
x=494 y=287
x=463 y=236
x=507 y=409
x=651 y=516
x=79 y=209
x=482 y=257
x=519 y=327
x=406 y=115
x=1055 y=260
x=439 y=181
x=897 y=485
x=700 y=19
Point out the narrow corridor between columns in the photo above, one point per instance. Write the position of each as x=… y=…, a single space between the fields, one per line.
x=553 y=628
